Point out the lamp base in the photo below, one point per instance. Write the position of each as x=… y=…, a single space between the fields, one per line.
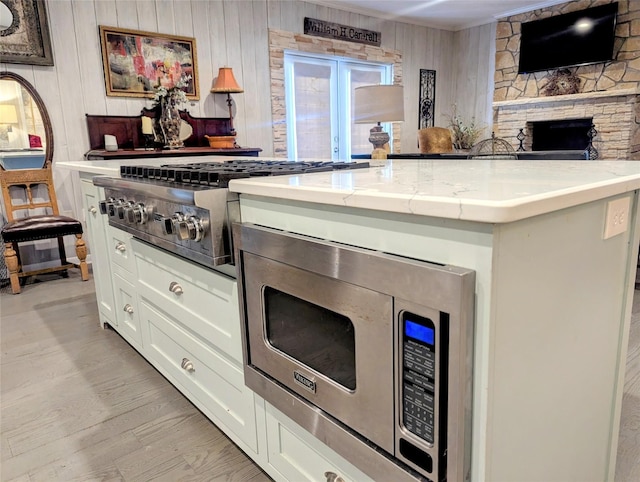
x=378 y=137
x=379 y=154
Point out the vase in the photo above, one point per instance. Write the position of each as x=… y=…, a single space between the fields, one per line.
x=170 y=122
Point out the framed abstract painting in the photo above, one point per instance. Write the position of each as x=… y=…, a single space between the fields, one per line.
x=137 y=62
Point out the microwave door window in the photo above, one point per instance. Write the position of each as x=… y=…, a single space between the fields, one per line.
x=312 y=335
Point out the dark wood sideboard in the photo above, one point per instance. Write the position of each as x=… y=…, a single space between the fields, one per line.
x=131 y=143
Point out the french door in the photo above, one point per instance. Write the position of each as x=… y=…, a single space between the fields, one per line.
x=319 y=100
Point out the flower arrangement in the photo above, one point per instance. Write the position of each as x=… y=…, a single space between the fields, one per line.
x=464 y=134
x=166 y=101
x=175 y=94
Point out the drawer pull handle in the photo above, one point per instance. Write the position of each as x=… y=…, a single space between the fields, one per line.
x=175 y=288
x=121 y=247
x=93 y=210
x=187 y=365
x=128 y=308
x=333 y=477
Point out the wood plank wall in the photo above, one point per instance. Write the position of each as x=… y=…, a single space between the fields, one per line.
x=234 y=33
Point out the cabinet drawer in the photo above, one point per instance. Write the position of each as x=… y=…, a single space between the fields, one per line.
x=299 y=456
x=203 y=301
x=214 y=383
x=127 y=319
x=120 y=250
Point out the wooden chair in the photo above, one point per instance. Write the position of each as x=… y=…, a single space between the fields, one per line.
x=25 y=225
x=434 y=140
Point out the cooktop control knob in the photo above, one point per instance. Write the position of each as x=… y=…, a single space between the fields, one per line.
x=195 y=228
x=141 y=213
x=181 y=229
x=167 y=223
x=129 y=215
x=187 y=227
x=106 y=206
x=121 y=204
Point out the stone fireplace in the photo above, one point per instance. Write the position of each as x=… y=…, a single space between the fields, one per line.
x=608 y=91
x=615 y=115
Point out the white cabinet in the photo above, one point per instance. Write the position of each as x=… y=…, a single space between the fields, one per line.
x=203 y=301
x=127 y=318
x=113 y=267
x=191 y=334
x=120 y=250
x=124 y=275
x=97 y=242
x=299 y=456
x=184 y=319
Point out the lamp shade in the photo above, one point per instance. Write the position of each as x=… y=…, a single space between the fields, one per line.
x=226 y=82
x=378 y=103
x=8 y=114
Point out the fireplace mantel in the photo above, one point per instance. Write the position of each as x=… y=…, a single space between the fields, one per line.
x=564 y=98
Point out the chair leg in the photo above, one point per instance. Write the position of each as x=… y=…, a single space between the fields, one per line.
x=13 y=265
x=81 y=253
x=61 y=250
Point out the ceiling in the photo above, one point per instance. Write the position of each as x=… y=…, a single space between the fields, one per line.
x=443 y=14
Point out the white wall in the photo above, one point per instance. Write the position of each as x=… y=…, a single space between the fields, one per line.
x=234 y=33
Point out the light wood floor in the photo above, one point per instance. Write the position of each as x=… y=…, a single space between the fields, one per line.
x=78 y=403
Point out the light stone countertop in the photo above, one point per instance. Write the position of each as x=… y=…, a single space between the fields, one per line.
x=474 y=190
x=112 y=167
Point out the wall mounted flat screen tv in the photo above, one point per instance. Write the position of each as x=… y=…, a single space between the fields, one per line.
x=575 y=38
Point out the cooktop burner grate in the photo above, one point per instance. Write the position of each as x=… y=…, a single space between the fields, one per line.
x=218 y=174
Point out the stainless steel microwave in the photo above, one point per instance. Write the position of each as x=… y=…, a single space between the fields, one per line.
x=370 y=352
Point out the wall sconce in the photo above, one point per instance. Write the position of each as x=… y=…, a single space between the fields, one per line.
x=376 y=104
x=226 y=84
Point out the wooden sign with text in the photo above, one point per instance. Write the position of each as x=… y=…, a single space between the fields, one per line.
x=337 y=31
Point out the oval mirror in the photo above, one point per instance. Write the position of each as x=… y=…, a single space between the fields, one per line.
x=25 y=128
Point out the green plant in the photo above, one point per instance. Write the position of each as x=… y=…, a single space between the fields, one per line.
x=464 y=134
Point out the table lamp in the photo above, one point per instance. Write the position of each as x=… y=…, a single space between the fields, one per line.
x=376 y=104
x=226 y=84
x=8 y=116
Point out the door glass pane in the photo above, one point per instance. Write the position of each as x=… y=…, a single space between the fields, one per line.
x=312 y=94
x=314 y=336
x=319 y=102
x=360 y=132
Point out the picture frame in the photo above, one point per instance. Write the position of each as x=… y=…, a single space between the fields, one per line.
x=26 y=40
x=136 y=62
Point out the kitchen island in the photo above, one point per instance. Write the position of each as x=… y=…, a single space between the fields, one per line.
x=554 y=246
x=553 y=299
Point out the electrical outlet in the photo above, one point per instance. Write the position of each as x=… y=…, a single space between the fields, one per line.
x=617 y=219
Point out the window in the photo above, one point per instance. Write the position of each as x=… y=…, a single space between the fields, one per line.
x=319 y=93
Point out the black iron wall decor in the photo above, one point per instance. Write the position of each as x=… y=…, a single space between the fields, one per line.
x=427 y=101
x=592 y=151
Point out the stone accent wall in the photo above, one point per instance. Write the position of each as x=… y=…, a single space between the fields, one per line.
x=608 y=90
x=280 y=40
x=621 y=73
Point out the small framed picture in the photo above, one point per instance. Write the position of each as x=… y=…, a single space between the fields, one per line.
x=25 y=33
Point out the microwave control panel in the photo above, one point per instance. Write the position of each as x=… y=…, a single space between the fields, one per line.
x=419 y=375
